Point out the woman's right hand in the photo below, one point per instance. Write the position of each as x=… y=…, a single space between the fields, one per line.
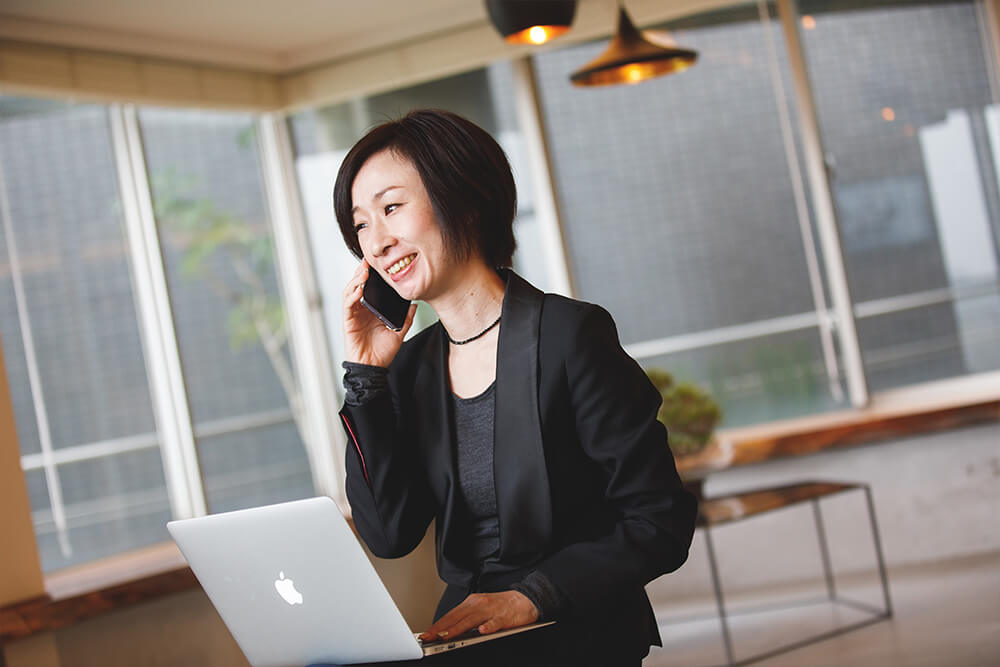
x=366 y=339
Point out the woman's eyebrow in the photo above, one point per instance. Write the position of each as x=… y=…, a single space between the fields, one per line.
x=378 y=195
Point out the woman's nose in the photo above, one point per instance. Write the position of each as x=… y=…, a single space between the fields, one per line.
x=381 y=240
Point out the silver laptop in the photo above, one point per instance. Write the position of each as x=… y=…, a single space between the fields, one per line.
x=294 y=587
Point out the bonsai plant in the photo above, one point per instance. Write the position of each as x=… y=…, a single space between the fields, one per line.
x=689 y=413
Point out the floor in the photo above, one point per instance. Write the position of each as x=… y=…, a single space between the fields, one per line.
x=944 y=614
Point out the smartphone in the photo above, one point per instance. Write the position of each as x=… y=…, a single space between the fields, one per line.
x=384 y=302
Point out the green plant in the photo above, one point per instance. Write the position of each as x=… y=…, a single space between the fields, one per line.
x=689 y=413
x=230 y=256
x=234 y=259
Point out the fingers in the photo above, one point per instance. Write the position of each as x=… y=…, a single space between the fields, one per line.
x=360 y=272
x=511 y=609
x=455 y=629
x=487 y=612
x=459 y=620
x=445 y=625
x=489 y=626
x=354 y=288
x=356 y=281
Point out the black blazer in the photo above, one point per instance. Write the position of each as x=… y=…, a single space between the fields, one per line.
x=586 y=487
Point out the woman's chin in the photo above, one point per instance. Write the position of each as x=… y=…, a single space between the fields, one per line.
x=408 y=292
x=410 y=287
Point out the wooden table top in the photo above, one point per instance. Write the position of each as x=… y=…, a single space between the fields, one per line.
x=725 y=509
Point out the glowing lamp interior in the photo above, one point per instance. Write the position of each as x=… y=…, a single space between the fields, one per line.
x=537 y=34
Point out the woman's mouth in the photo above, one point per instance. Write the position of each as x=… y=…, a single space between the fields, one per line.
x=397 y=270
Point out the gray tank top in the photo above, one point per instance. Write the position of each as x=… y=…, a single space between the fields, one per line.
x=474 y=438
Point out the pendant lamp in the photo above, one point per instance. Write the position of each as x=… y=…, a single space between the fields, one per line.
x=531 y=21
x=631 y=57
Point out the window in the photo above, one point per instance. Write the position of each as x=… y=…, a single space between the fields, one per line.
x=685 y=216
x=903 y=94
x=75 y=365
x=231 y=328
x=99 y=460
x=682 y=217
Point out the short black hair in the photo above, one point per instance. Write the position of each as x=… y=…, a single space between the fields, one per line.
x=466 y=175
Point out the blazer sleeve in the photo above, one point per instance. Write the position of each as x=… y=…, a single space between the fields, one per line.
x=615 y=407
x=388 y=493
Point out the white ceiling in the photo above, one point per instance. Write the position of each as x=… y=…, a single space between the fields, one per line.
x=266 y=35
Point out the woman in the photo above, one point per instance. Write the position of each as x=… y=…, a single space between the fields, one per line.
x=516 y=421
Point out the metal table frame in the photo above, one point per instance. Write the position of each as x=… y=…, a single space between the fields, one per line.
x=832 y=595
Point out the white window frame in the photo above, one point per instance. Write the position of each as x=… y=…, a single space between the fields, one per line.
x=304 y=305
x=162 y=355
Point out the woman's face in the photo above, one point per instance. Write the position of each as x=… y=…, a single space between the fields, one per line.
x=397 y=228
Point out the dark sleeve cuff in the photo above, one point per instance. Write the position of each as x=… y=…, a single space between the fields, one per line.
x=363 y=382
x=548 y=600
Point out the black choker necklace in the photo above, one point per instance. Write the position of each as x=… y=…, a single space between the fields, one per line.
x=469 y=340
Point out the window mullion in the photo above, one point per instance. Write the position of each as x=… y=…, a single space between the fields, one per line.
x=173 y=418
x=529 y=118
x=321 y=431
x=52 y=482
x=801 y=208
x=822 y=199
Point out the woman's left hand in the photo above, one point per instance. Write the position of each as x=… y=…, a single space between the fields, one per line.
x=487 y=612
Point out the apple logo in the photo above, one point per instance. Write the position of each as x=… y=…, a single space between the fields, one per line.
x=286 y=589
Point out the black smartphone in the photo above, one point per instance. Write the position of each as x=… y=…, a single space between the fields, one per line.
x=384 y=302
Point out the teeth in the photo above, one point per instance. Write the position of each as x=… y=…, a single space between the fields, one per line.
x=400 y=265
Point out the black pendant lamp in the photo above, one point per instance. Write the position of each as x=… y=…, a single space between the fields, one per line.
x=531 y=21
x=631 y=58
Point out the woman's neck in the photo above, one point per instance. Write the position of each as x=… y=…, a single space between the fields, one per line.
x=473 y=303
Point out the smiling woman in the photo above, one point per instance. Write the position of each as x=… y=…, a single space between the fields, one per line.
x=471 y=192
x=396 y=226
x=530 y=443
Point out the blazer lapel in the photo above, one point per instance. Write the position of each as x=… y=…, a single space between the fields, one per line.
x=432 y=392
x=522 y=483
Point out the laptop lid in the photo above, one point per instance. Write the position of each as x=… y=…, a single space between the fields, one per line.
x=294 y=586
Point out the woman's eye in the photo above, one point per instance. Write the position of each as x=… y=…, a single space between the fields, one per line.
x=359 y=226
x=390 y=208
